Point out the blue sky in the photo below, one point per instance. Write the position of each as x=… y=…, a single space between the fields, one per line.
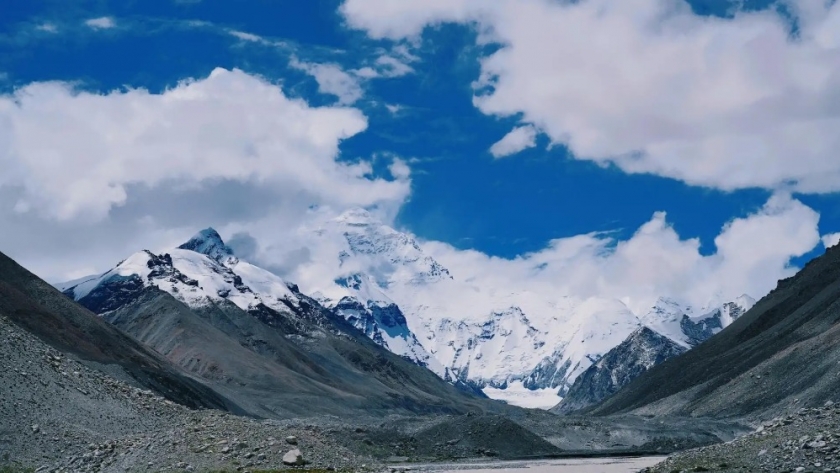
x=426 y=117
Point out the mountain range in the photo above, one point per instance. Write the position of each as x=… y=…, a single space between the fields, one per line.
x=257 y=339
x=209 y=331
x=526 y=348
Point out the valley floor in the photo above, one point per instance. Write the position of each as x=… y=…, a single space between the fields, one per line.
x=585 y=465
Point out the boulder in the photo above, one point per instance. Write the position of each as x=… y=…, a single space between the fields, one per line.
x=293 y=458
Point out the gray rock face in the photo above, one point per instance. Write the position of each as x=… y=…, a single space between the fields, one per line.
x=549 y=373
x=66 y=326
x=699 y=332
x=642 y=350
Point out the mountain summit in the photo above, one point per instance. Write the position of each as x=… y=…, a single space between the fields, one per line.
x=210 y=243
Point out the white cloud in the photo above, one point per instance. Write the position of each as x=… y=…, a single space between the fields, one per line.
x=394 y=108
x=399 y=170
x=74 y=154
x=47 y=27
x=654 y=262
x=332 y=80
x=831 y=239
x=389 y=64
x=244 y=36
x=518 y=139
x=101 y=23
x=651 y=86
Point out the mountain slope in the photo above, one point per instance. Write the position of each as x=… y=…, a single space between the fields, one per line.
x=40 y=309
x=642 y=350
x=780 y=355
x=667 y=331
x=258 y=339
x=59 y=414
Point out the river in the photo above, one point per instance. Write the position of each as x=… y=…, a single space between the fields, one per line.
x=569 y=465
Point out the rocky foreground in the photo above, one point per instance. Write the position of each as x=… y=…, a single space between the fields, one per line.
x=57 y=415
x=805 y=441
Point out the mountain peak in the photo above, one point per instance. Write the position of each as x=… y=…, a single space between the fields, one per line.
x=208 y=242
x=357 y=216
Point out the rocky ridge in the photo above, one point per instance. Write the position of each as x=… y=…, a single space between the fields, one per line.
x=642 y=350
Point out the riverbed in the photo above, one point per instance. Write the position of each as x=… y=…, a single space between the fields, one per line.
x=570 y=465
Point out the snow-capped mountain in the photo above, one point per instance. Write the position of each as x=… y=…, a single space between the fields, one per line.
x=198 y=272
x=668 y=330
x=268 y=348
x=373 y=313
x=642 y=350
x=523 y=347
x=689 y=327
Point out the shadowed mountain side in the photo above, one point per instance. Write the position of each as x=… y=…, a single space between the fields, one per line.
x=325 y=368
x=782 y=354
x=44 y=311
x=642 y=350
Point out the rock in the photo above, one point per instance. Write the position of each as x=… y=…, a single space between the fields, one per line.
x=293 y=457
x=292 y=440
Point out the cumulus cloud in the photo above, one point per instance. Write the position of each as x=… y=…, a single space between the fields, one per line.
x=752 y=254
x=518 y=139
x=332 y=80
x=89 y=178
x=655 y=261
x=101 y=23
x=831 y=239
x=77 y=154
x=399 y=169
x=653 y=87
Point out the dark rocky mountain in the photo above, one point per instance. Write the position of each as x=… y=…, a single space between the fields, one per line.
x=43 y=311
x=671 y=333
x=642 y=350
x=780 y=355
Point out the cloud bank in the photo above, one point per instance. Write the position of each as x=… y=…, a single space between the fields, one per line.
x=654 y=262
x=652 y=87
x=75 y=153
x=89 y=178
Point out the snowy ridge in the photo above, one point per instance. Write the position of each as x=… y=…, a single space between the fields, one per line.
x=193 y=277
x=688 y=327
x=373 y=313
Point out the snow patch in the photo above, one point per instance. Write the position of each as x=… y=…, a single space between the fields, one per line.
x=518 y=395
